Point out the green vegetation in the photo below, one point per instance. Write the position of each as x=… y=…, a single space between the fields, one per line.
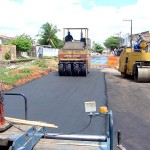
x=23 y=43
x=26 y=70
x=7 y=56
x=11 y=76
x=112 y=42
x=4 y=71
x=50 y=57
x=8 y=77
x=11 y=79
x=98 y=48
x=48 y=36
x=41 y=63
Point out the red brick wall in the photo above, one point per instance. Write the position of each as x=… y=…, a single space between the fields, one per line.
x=5 y=49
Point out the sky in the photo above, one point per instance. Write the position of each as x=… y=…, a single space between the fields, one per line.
x=103 y=18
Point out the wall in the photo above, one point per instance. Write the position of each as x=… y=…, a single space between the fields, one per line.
x=47 y=51
x=5 y=49
x=111 y=61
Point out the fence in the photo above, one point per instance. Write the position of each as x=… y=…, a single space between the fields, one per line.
x=111 y=61
x=48 y=51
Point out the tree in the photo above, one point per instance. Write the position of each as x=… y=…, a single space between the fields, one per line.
x=48 y=36
x=98 y=48
x=59 y=43
x=112 y=42
x=23 y=43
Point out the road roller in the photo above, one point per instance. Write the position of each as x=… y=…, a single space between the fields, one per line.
x=136 y=62
x=74 y=59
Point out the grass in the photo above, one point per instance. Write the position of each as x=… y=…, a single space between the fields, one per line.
x=26 y=70
x=12 y=79
x=50 y=57
x=8 y=77
x=40 y=63
x=4 y=70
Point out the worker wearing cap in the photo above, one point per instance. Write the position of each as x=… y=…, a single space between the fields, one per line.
x=141 y=38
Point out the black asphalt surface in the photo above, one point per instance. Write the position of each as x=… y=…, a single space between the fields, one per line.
x=60 y=100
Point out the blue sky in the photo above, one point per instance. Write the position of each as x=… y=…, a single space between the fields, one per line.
x=116 y=3
x=104 y=18
x=89 y=3
x=18 y=1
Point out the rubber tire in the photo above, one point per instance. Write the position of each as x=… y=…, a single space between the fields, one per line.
x=68 y=70
x=75 y=70
x=61 y=70
x=84 y=70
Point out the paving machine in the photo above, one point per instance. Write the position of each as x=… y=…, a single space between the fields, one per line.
x=75 y=56
x=136 y=63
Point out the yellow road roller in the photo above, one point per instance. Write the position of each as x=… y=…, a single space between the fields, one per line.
x=136 y=63
x=75 y=56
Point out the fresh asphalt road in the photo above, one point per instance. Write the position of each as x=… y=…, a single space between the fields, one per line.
x=60 y=100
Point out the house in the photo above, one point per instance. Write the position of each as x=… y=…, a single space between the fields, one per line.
x=7 y=48
x=4 y=39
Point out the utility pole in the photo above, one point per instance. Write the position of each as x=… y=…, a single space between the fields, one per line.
x=131 y=30
x=119 y=36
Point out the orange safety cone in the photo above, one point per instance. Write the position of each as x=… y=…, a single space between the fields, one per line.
x=2 y=120
x=3 y=124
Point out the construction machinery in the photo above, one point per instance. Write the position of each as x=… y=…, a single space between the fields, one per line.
x=136 y=62
x=75 y=56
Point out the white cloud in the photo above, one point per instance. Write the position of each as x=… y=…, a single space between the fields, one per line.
x=102 y=22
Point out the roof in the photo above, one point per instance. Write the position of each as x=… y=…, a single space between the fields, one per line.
x=6 y=37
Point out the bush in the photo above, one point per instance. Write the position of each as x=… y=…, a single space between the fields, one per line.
x=26 y=70
x=7 y=56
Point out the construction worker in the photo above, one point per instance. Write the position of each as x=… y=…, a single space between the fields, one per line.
x=137 y=44
x=40 y=53
x=68 y=37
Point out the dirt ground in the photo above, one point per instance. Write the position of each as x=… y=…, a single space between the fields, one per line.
x=130 y=103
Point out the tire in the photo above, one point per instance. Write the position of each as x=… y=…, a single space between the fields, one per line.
x=83 y=70
x=75 y=71
x=61 y=70
x=68 y=70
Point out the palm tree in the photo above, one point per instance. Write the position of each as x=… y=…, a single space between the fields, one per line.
x=48 y=35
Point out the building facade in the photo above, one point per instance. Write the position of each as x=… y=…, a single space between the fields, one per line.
x=126 y=39
x=4 y=39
